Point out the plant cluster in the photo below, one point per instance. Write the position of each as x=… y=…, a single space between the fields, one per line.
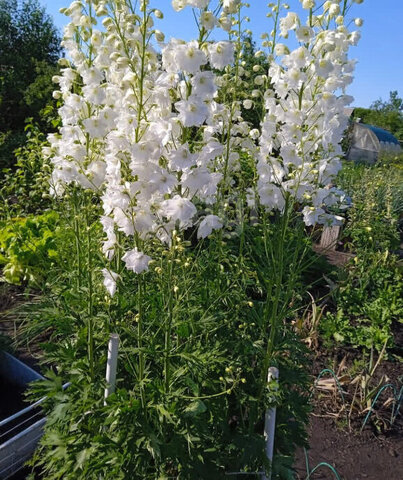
x=368 y=298
x=189 y=228
x=27 y=246
x=24 y=189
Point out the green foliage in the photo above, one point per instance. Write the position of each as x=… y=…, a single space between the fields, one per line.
x=27 y=247
x=9 y=141
x=254 y=66
x=24 y=189
x=377 y=203
x=191 y=393
x=387 y=115
x=368 y=298
x=29 y=50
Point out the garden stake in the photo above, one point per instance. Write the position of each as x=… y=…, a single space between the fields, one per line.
x=270 y=423
x=111 y=364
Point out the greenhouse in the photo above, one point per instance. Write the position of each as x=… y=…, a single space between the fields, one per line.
x=368 y=141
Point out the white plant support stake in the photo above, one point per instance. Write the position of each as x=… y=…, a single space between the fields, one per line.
x=270 y=422
x=111 y=365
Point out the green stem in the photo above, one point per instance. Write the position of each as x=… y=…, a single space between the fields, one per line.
x=274 y=317
x=90 y=299
x=76 y=228
x=140 y=341
x=169 y=322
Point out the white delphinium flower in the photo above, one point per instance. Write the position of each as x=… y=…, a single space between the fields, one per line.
x=178 y=209
x=308 y=4
x=281 y=49
x=289 y=22
x=181 y=4
x=231 y=6
x=181 y=159
x=312 y=215
x=136 y=261
x=208 y=20
x=110 y=279
x=195 y=179
x=208 y=224
x=304 y=33
x=204 y=85
x=225 y=22
x=271 y=196
x=193 y=112
x=189 y=57
x=221 y=54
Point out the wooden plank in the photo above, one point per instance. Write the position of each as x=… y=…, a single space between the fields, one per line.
x=330 y=235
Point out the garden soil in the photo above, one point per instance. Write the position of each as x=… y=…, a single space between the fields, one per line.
x=354 y=456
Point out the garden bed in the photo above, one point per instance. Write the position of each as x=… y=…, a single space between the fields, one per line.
x=354 y=456
x=356 y=453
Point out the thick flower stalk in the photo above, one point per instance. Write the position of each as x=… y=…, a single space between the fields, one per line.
x=300 y=149
x=146 y=130
x=148 y=135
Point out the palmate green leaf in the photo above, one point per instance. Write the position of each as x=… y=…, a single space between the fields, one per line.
x=54 y=438
x=153 y=446
x=164 y=414
x=283 y=467
x=83 y=457
x=195 y=408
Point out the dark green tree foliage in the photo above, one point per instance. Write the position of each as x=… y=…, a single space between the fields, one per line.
x=29 y=50
x=384 y=114
x=256 y=113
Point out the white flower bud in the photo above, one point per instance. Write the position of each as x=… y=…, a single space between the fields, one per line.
x=160 y=37
x=308 y=4
x=339 y=20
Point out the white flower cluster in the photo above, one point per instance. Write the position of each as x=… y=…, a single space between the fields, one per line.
x=145 y=130
x=304 y=123
x=128 y=119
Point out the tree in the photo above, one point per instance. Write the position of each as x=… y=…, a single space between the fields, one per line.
x=29 y=50
x=29 y=47
x=384 y=114
x=395 y=103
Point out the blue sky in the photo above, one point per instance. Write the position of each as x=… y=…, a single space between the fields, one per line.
x=380 y=52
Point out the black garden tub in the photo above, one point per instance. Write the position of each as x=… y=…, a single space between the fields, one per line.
x=21 y=426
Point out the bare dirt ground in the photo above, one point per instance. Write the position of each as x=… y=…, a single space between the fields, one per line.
x=354 y=456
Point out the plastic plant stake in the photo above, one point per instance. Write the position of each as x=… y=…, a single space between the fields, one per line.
x=270 y=422
x=111 y=365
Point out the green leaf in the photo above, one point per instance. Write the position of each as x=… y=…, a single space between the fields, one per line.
x=195 y=408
